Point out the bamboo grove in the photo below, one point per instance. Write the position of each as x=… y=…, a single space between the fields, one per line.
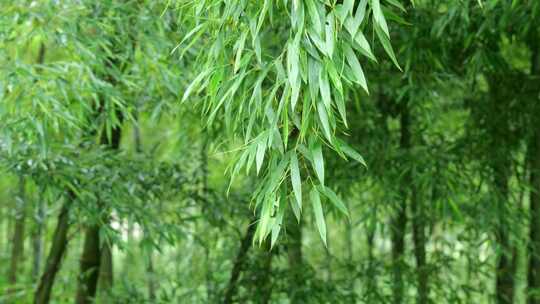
x=288 y=151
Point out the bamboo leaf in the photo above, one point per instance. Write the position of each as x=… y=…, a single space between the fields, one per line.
x=324 y=86
x=329 y=35
x=324 y=120
x=340 y=102
x=319 y=216
x=313 y=76
x=293 y=67
x=352 y=24
x=240 y=49
x=378 y=17
x=314 y=16
x=334 y=199
x=261 y=147
x=349 y=151
x=318 y=162
x=296 y=180
x=363 y=46
x=356 y=67
x=264 y=223
x=276 y=228
x=294 y=206
x=195 y=83
x=385 y=41
x=397 y=4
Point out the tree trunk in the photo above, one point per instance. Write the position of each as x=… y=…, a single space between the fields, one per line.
x=239 y=262
x=210 y=294
x=2 y=229
x=328 y=261
x=57 y=251
x=150 y=271
x=350 y=257
x=505 y=281
x=130 y=246
x=399 y=222
x=92 y=252
x=37 y=238
x=500 y=163
x=533 y=275
x=295 y=259
x=264 y=275
x=17 y=251
x=152 y=286
x=6 y=226
x=10 y=224
x=107 y=270
x=106 y=274
x=39 y=215
x=419 y=240
x=371 y=284
x=89 y=266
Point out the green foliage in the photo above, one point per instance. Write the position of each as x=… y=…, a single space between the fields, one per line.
x=279 y=75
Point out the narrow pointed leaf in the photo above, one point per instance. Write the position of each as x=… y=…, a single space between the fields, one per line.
x=261 y=147
x=318 y=162
x=294 y=206
x=364 y=46
x=356 y=67
x=319 y=216
x=324 y=86
x=277 y=226
x=385 y=41
x=349 y=151
x=324 y=121
x=296 y=180
x=334 y=199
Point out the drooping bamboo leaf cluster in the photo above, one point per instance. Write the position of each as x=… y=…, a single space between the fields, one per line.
x=284 y=87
